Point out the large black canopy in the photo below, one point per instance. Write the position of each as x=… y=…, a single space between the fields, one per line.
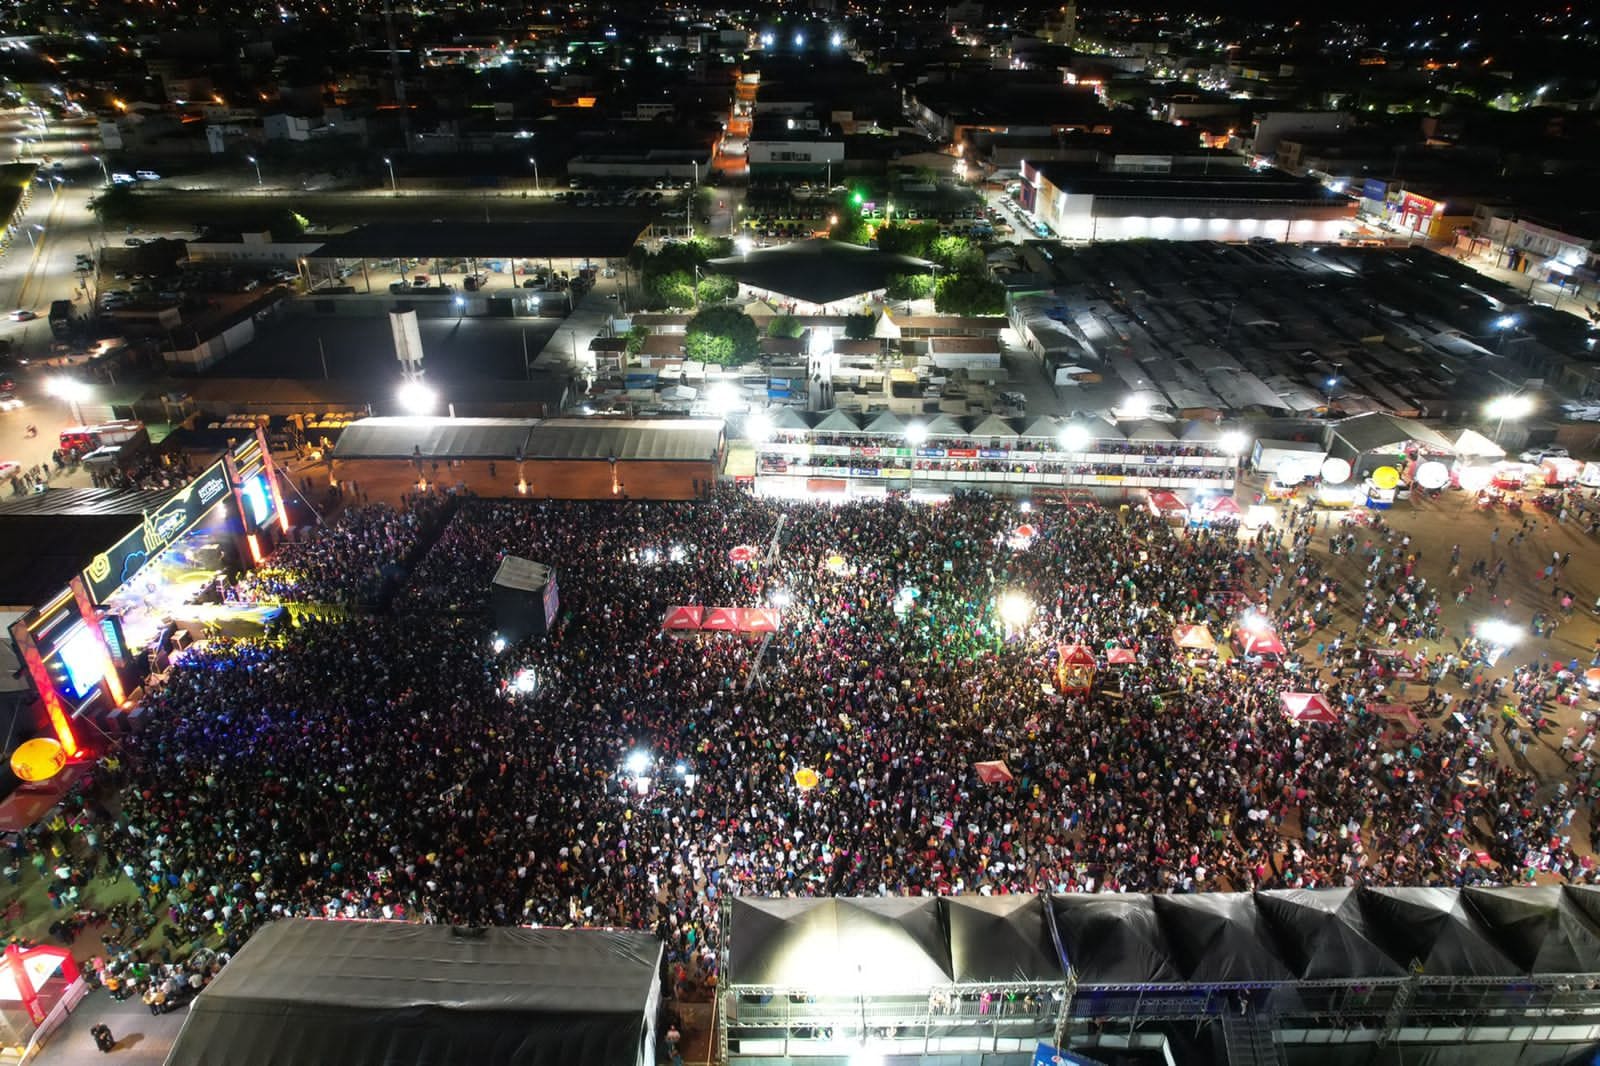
x=1001 y=939
x=847 y=946
x=1113 y=939
x=306 y=993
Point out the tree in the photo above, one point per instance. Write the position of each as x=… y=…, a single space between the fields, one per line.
x=723 y=335
x=636 y=339
x=969 y=294
x=785 y=326
x=850 y=229
x=114 y=206
x=906 y=238
x=860 y=327
x=957 y=255
x=909 y=287
x=716 y=288
x=675 y=289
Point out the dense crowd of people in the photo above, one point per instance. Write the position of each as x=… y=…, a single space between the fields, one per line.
x=391 y=766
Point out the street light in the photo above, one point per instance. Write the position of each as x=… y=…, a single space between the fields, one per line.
x=104 y=172
x=916 y=435
x=1503 y=325
x=394 y=186
x=29 y=230
x=417 y=398
x=257 y=165
x=535 y=164
x=71 y=390
x=1513 y=407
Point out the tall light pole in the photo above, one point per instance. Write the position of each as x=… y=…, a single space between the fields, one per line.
x=259 y=183
x=394 y=186
x=916 y=434
x=1503 y=325
x=533 y=162
x=29 y=231
x=1503 y=407
x=103 y=171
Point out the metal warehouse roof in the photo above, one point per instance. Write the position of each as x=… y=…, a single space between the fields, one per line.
x=599 y=238
x=631 y=439
x=1380 y=432
x=401 y=437
x=507 y=438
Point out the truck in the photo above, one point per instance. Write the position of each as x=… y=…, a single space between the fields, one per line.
x=60 y=316
x=1288 y=461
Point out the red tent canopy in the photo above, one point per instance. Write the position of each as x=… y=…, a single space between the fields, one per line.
x=1397 y=712
x=1258 y=642
x=993 y=773
x=682 y=618
x=1076 y=653
x=758 y=619
x=1120 y=656
x=1225 y=505
x=1309 y=707
x=1162 y=502
x=741 y=553
x=725 y=619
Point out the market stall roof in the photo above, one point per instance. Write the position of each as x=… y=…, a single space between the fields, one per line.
x=686 y=616
x=887 y=423
x=1259 y=642
x=817 y=271
x=1121 y=656
x=396 y=993
x=1149 y=430
x=786 y=419
x=1041 y=428
x=1197 y=431
x=1001 y=939
x=1164 y=501
x=1194 y=637
x=1378 y=432
x=608 y=237
x=1113 y=939
x=846 y=946
x=945 y=426
x=404 y=436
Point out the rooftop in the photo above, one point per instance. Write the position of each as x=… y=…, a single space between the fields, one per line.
x=600 y=238
x=1226 y=186
x=817 y=271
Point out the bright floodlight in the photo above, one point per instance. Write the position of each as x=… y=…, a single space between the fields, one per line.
x=498 y=644
x=780 y=598
x=916 y=433
x=1505 y=321
x=526 y=681
x=758 y=427
x=1512 y=407
x=1253 y=621
x=1234 y=442
x=836 y=40
x=1073 y=438
x=722 y=398
x=1137 y=406
x=417 y=398
x=743 y=245
x=1015 y=609
x=1502 y=634
x=638 y=762
x=680 y=769
x=69 y=389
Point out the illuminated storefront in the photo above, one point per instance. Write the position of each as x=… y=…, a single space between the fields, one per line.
x=86 y=648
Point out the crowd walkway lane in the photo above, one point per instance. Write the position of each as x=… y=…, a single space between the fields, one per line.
x=567 y=349
x=143 y=1039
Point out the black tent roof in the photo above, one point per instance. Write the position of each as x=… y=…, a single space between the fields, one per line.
x=1001 y=939
x=1322 y=934
x=392 y=993
x=817 y=271
x=845 y=945
x=1432 y=927
x=1538 y=927
x=1113 y=939
x=1219 y=937
x=566 y=238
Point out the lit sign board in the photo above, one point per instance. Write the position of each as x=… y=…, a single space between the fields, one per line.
x=161 y=527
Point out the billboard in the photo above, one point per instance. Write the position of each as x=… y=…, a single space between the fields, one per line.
x=120 y=562
x=1374 y=189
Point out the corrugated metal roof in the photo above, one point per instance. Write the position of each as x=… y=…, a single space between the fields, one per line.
x=1371 y=432
x=122 y=502
x=404 y=436
x=632 y=439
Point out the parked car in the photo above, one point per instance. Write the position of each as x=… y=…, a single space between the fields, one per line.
x=22 y=314
x=147 y=175
x=1539 y=455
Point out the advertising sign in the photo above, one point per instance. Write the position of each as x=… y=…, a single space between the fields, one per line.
x=1373 y=189
x=119 y=563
